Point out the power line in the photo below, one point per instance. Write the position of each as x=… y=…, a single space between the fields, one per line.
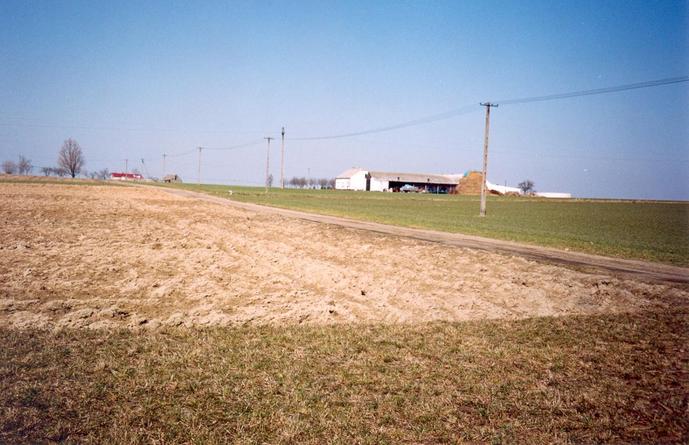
x=235 y=147
x=268 y=138
x=472 y=108
x=469 y=108
x=199 y=171
x=587 y=157
x=606 y=90
x=420 y=121
x=184 y=153
x=111 y=128
x=143 y=165
x=484 y=172
x=282 y=160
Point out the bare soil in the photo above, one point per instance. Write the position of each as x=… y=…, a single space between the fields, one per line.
x=105 y=257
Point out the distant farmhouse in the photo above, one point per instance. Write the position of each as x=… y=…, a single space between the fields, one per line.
x=119 y=176
x=468 y=183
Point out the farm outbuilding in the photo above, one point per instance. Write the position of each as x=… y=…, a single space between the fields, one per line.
x=343 y=181
x=379 y=181
x=120 y=176
x=468 y=183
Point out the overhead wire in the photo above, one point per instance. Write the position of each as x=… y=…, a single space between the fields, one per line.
x=595 y=91
x=473 y=107
x=176 y=155
x=420 y=121
x=143 y=164
x=586 y=157
x=466 y=109
x=27 y=123
x=234 y=147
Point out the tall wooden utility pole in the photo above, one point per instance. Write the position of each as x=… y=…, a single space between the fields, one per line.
x=282 y=161
x=488 y=106
x=163 y=175
x=268 y=160
x=199 y=170
x=126 y=165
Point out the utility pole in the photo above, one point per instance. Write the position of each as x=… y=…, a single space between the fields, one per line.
x=268 y=138
x=163 y=175
x=199 y=172
x=126 y=165
x=488 y=106
x=282 y=161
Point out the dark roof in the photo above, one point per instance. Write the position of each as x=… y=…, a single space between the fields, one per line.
x=417 y=178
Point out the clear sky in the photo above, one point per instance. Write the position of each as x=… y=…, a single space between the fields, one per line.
x=137 y=79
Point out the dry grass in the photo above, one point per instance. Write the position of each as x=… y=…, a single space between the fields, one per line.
x=112 y=257
x=605 y=378
x=648 y=230
x=616 y=372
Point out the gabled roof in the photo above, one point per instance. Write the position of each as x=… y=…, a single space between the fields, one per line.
x=415 y=178
x=349 y=173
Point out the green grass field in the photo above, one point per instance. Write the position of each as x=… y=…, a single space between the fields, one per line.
x=613 y=378
x=649 y=230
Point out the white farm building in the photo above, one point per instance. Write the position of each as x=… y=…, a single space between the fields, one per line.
x=376 y=181
x=468 y=183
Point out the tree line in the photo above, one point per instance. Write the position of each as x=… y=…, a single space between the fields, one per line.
x=23 y=167
x=70 y=162
x=302 y=182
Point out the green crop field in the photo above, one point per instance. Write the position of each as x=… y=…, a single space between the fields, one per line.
x=649 y=230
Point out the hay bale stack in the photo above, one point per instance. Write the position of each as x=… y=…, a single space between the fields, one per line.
x=470 y=184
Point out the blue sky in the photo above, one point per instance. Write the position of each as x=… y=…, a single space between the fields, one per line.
x=137 y=79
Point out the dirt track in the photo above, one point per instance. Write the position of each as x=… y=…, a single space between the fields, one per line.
x=644 y=270
x=102 y=256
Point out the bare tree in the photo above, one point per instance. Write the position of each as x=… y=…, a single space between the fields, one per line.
x=57 y=171
x=322 y=183
x=526 y=187
x=269 y=182
x=9 y=167
x=71 y=158
x=24 y=166
x=297 y=182
x=103 y=174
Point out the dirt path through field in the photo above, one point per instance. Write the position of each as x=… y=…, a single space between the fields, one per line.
x=105 y=257
x=644 y=270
